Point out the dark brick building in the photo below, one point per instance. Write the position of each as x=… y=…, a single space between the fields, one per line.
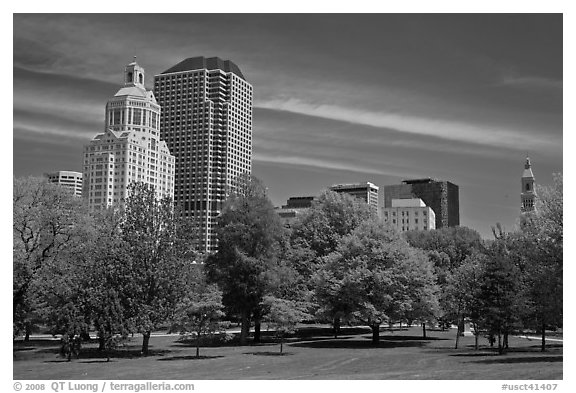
x=441 y=196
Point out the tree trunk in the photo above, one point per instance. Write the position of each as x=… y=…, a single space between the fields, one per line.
x=281 y=344
x=505 y=341
x=257 y=330
x=336 y=326
x=27 y=332
x=543 y=347
x=245 y=329
x=145 y=342
x=457 y=332
x=197 y=344
x=424 y=329
x=101 y=341
x=500 y=347
x=375 y=334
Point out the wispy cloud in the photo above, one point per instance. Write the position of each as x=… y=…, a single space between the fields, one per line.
x=531 y=82
x=327 y=164
x=453 y=130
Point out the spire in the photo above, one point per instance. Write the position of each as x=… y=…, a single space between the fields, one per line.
x=527 y=194
x=528 y=169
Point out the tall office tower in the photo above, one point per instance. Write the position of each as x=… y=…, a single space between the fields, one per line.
x=527 y=194
x=368 y=192
x=441 y=196
x=409 y=215
x=130 y=148
x=68 y=179
x=207 y=123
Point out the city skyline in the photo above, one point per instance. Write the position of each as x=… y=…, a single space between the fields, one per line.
x=342 y=99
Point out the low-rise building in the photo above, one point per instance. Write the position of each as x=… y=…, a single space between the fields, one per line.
x=68 y=179
x=409 y=215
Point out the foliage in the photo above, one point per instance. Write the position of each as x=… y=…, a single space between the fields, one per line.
x=159 y=244
x=48 y=225
x=375 y=277
x=250 y=237
x=200 y=312
x=283 y=315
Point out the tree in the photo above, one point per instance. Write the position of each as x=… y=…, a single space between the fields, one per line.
x=48 y=225
x=250 y=235
x=317 y=234
x=541 y=235
x=160 y=250
x=447 y=248
x=463 y=293
x=283 y=315
x=501 y=289
x=200 y=312
x=374 y=277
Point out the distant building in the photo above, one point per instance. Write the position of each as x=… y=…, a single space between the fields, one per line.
x=129 y=150
x=409 y=215
x=527 y=194
x=368 y=192
x=68 y=179
x=301 y=202
x=441 y=196
x=294 y=207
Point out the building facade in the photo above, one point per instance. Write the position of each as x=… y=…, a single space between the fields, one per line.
x=68 y=179
x=130 y=148
x=409 y=215
x=527 y=193
x=294 y=207
x=368 y=192
x=441 y=196
x=207 y=124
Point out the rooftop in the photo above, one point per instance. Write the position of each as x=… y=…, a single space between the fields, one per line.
x=210 y=63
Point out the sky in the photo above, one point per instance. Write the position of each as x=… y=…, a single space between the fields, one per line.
x=338 y=98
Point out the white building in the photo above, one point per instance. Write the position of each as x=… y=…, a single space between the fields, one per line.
x=207 y=124
x=409 y=215
x=68 y=179
x=130 y=148
x=366 y=191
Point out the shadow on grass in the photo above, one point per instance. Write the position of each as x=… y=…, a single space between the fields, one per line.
x=530 y=359
x=188 y=357
x=366 y=343
x=268 y=353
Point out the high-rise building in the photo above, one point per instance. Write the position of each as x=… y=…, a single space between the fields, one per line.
x=441 y=196
x=207 y=124
x=527 y=194
x=130 y=148
x=409 y=215
x=68 y=179
x=368 y=192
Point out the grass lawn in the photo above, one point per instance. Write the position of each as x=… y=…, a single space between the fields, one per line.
x=402 y=354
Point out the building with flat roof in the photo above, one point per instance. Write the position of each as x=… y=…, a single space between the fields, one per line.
x=68 y=179
x=409 y=215
x=294 y=207
x=442 y=196
x=130 y=149
x=366 y=191
x=206 y=122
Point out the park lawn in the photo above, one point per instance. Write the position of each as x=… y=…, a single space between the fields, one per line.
x=402 y=354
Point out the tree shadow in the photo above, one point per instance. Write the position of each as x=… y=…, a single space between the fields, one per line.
x=189 y=357
x=268 y=353
x=526 y=359
x=366 y=343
